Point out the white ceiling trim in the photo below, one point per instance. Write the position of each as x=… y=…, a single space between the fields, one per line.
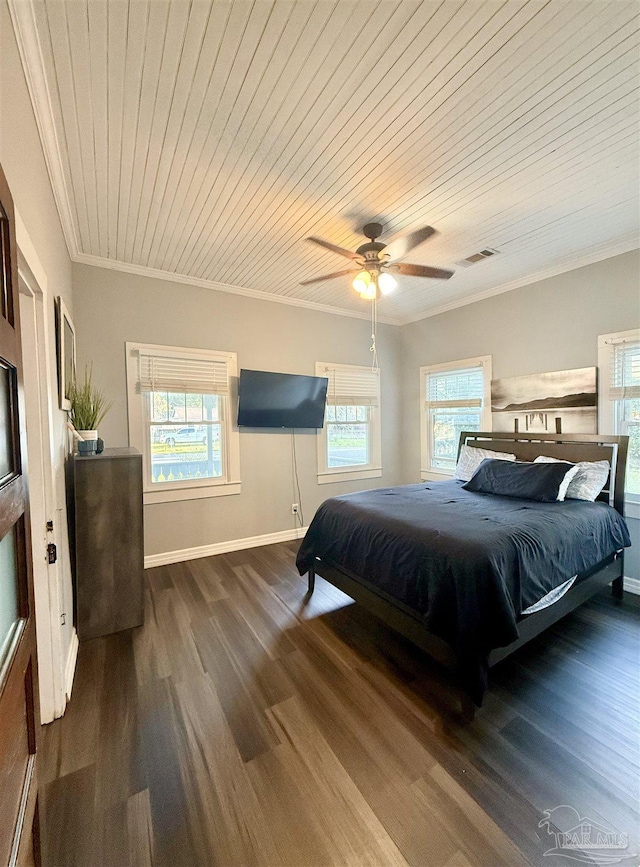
x=543 y=274
x=145 y=271
x=30 y=50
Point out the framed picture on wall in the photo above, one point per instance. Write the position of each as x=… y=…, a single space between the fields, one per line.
x=66 y=352
x=561 y=401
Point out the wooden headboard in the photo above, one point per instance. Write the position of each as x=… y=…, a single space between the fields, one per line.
x=566 y=447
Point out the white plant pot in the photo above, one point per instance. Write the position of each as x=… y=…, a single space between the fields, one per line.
x=88 y=434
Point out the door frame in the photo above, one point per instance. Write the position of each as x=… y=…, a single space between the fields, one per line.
x=19 y=698
x=38 y=420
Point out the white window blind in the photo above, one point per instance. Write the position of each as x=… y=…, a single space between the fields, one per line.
x=625 y=371
x=451 y=388
x=182 y=374
x=351 y=386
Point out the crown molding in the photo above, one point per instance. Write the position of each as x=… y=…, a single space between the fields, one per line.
x=30 y=50
x=142 y=270
x=591 y=258
x=157 y=274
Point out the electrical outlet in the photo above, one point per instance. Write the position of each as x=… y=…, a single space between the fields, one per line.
x=295 y=508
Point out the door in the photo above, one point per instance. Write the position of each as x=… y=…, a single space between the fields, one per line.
x=19 y=838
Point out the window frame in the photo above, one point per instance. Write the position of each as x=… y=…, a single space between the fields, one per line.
x=140 y=424
x=372 y=470
x=608 y=413
x=427 y=471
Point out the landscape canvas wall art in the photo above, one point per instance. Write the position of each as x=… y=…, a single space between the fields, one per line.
x=563 y=401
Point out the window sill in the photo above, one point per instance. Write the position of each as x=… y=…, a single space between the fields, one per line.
x=435 y=475
x=201 y=492
x=349 y=475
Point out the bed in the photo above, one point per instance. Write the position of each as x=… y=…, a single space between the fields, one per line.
x=471 y=577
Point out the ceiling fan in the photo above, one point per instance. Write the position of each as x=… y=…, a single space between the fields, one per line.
x=377 y=262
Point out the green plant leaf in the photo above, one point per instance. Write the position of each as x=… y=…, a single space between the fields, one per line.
x=89 y=405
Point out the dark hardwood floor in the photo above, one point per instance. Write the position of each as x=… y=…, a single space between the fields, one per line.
x=239 y=727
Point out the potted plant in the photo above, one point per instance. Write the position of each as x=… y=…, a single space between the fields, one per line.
x=88 y=407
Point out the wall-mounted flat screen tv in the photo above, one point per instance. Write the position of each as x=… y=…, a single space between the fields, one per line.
x=281 y=399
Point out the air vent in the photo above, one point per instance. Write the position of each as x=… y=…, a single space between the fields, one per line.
x=477 y=257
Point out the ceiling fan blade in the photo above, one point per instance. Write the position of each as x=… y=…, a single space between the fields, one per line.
x=420 y=271
x=399 y=248
x=330 y=276
x=339 y=250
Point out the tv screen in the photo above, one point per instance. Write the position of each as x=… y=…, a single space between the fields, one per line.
x=281 y=399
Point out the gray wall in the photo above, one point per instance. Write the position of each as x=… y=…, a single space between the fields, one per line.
x=550 y=325
x=24 y=164
x=112 y=307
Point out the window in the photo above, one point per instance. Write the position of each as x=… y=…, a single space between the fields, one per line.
x=349 y=445
x=619 y=366
x=454 y=397
x=180 y=419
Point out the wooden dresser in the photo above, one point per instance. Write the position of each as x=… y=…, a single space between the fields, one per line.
x=109 y=552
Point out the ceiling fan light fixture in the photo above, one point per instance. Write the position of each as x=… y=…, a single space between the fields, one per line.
x=386 y=283
x=361 y=283
x=377 y=259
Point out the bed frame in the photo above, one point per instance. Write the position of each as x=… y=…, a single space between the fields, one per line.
x=570 y=447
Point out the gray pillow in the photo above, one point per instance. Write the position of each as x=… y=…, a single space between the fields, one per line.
x=589 y=480
x=470 y=459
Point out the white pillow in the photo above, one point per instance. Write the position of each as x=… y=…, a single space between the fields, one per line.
x=588 y=480
x=471 y=458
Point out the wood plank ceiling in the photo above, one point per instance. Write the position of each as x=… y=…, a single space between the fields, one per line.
x=209 y=139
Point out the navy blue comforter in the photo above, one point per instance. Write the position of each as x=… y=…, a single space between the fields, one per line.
x=467 y=563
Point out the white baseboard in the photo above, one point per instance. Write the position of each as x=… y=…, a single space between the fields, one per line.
x=70 y=667
x=632 y=585
x=222 y=547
